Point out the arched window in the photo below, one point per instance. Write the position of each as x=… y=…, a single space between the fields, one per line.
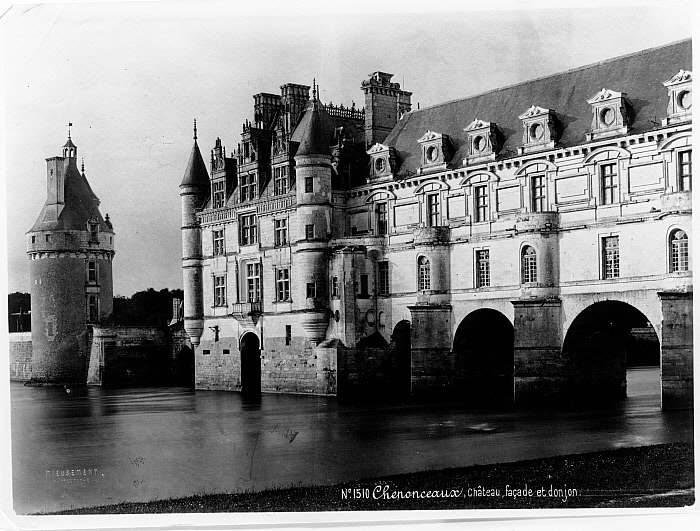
x=679 y=251
x=423 y=273
x=529 y=265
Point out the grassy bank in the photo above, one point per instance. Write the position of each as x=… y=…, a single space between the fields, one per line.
x=649 y=476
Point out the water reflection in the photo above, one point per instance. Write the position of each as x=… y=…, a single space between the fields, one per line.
x=149 y=443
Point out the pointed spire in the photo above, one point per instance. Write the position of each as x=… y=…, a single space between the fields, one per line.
x=196 y=173
x=70 y=124
x=195 y=129
x=82 y=166
x=314 y=91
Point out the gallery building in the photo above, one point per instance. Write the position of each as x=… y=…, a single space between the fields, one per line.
x=517 y=245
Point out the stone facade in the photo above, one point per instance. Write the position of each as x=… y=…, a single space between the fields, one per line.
x=506 y=257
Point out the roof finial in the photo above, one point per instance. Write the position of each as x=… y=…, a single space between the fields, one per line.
x=314 y=92
x=195 y=128
x=70 y=124
x=82 y=165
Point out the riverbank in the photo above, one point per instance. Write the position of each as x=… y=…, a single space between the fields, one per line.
x=659 y=475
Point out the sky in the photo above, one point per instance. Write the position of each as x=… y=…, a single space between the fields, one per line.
x=131 y=77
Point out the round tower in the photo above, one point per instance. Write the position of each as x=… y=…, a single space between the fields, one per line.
x=314 y=210
x=194 y=192
x=70 y=250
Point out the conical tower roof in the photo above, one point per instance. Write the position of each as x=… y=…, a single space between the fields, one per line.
x=196 y=173
x=315 y=130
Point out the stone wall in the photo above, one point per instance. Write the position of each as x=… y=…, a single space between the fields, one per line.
x=20 y=356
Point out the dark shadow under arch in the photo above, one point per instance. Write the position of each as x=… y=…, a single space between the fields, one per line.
x=184 y=367
x=483 y=350
x=250 y=365
x=602 y=341
x=401 y=341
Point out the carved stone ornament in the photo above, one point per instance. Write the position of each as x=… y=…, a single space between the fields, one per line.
x=612 y=114
x=680 y=97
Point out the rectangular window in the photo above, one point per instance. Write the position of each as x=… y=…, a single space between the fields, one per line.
x=311 y=290
x=92 y=308
x=283 y=284
x=249 y=187
x=611 y=257
x=483 y=269
x=480 y=203
x=685 y=170
x=382 y=219
x=227 y=351
x=433 y=210
x=288 y=335
x=92 y=271
x=529 y=265
x=537 y=183
x=48 y=238
x=364 y=286
x=281 y=180
x=33 y=239
x=608 y=184
x=335 y=288
x=309 y=185
x=310 y=233
x=253 y=281
x=220 y=290
x=423 y=273
x=383 y=273
x=94 y=232
x=219 y=242
x=281 y=231
x=249 y=229
x=679 y=251
x=218 y=194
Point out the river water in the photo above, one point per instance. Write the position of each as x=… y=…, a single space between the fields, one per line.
x=147 y=443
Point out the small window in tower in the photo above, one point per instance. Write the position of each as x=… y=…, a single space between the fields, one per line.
x=94 y=231
x=92 y=271
x=364 y=287
x=33 y=239
x=309 y=185
x=335 y=288
x=48 y=238
x=310 y=290
x=310 y=232
x=288 y=335
x=92 y=308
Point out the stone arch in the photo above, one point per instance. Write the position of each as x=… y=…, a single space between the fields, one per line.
x=184 y=367
x=483 y=352
x=601 y=342
x=607 y=153
x=250 y=364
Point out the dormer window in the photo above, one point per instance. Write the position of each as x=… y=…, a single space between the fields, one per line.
x=382 y=160
x=680 y=97
x=218 y=194
x=484 y=141
x=539 y=129
x=612 y=114
x=436 y=150
x=94 y=229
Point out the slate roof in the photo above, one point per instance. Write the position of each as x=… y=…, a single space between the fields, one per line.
x=639 y=75
x=80 y=204
x=196 y=173
x=314 y=131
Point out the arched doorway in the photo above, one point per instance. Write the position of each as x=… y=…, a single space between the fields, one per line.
x=250 y=364
x=603 y=341
x=184 y=367
x=483 y=350
x=401 y=341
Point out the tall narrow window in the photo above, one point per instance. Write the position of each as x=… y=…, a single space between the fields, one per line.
x=608 y=184
x=281 y=180
x=253 y=280
x=382 y=223
x=335 y=288
x=423 y=274
x=685 y=170
x=93 y=308
x=433 y=210
x=309 y=185
x=92 y=271
x=679 y=251
x=283 y=284
x=611 y=257
x=529 y=265
x=537 y=183
x=249 y=187
x=483 y=269
x=481 y=204
x=383 y=273
x=249 y=229
x=310 y=232
x=310 y=290
x=94 y=231
x=219 y=242
x=220 y=290
x=288 y=335
x=281 y=232
x=219 y=194
x=364 y=286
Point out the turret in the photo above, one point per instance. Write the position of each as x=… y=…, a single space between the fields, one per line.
x=70 y=248
x=194 y=193
x=314 y=212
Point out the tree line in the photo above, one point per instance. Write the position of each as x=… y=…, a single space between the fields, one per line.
x=144 y=308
